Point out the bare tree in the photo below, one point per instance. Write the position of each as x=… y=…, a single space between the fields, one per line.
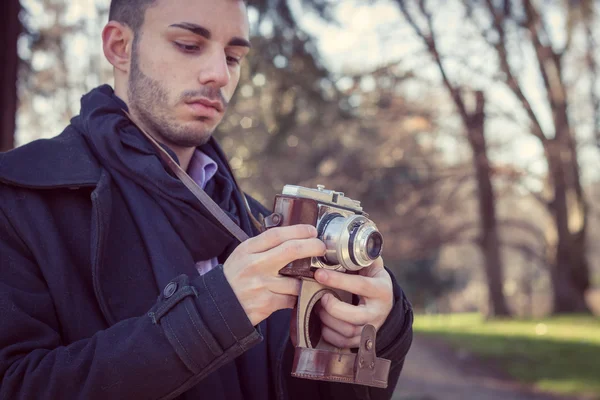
x=569 y=267
x=509 y=25
x=474 y=122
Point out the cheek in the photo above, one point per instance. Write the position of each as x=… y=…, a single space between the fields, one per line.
x=166 y=71
x=229 y=90
x=170 y=81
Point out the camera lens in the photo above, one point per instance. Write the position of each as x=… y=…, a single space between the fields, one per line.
x=374 y=245
x=366 y=243
x=352 y=242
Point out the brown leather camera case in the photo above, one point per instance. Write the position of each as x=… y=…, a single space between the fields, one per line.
x=316 y=359
x=289 y=210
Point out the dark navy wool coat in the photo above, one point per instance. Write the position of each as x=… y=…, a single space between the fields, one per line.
x=81 y=316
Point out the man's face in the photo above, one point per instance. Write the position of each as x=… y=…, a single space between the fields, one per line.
x=185 y=67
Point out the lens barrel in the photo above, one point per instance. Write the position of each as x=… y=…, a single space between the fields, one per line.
x=352 y=242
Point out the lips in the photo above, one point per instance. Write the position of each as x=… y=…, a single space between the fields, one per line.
x=205 y=107
x=217 y=105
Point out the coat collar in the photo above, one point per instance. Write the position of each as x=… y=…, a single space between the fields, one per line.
x=63 y=161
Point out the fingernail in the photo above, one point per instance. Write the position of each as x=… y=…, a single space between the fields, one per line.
x=312 y=230
x=325 y=299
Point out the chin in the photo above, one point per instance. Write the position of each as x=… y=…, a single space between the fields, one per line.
x=191 y=140
x=191 y=134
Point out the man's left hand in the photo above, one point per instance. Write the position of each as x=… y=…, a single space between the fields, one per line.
x=343 y=322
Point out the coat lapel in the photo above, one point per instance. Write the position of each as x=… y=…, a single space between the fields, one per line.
x=123 y=279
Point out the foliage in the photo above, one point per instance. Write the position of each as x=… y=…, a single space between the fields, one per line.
x=560 y=354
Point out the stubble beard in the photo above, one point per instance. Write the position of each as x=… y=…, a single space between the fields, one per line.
x=149 y=100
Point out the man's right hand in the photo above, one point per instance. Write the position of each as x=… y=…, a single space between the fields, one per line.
x=252 y=269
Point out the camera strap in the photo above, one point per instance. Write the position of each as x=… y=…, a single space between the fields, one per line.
x=197 y=191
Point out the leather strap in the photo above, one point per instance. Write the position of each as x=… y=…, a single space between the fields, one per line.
x=363 y=368
x=200 y=194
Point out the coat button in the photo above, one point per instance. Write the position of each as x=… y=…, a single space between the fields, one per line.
x=170 y=290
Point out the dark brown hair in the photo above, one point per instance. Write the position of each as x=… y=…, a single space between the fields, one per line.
x=131 y=12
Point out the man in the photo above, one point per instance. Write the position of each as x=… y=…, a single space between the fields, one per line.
x=116 y=283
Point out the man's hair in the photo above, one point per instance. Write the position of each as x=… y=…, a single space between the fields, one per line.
x=131 y=12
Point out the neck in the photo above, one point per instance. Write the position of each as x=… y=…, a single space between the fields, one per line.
x=184 y=154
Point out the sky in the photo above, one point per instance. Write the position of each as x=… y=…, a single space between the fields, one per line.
x=371 y=35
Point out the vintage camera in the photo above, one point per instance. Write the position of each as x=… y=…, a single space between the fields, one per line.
x=353 y=242
x=351 y=238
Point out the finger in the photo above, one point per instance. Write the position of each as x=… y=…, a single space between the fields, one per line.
x=276 y=236
x=285 y=285
x=338 y=340
x=283 y=301
x=374 y=269
x=292 y=250
x=342 y=327
x=356 y=284
x=355 y=315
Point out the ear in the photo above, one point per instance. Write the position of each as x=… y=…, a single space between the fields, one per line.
x=117 y=42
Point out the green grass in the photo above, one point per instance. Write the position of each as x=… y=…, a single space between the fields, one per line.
x=559 y=354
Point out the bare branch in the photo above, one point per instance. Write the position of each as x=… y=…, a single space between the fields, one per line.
x=525 y=226
x=510 y=79
x=456 y=233
x=548 y=63
x=430 y=40
x=526 y=250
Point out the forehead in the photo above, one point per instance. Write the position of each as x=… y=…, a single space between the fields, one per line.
x=226 y=18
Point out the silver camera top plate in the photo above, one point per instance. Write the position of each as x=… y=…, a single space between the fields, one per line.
x=323 y=195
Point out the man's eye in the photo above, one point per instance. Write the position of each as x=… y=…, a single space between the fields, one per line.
x=188 y=48
x=232 y=60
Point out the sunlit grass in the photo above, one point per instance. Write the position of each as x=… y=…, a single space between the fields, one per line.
x=559 y=354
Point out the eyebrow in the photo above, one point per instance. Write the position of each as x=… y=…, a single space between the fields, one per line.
x=205 y=33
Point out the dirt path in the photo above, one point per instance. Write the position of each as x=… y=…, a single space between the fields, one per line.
x=433 y=371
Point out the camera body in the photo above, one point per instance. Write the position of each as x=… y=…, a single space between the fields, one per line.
x=352 y=242
x=351 y=238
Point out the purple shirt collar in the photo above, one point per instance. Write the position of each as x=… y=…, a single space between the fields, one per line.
x=202 y=168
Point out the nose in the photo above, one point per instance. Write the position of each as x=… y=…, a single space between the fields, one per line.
x=214 y=69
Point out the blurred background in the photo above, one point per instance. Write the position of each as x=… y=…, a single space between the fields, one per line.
x=469 y=130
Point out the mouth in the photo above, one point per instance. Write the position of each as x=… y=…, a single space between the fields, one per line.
x=217 y=105
x=206 y=108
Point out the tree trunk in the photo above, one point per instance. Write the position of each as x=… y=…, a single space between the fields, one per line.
x=570 y=270
x=474 y=121
x=568 y=208
x=10 y=28
x=489 y=241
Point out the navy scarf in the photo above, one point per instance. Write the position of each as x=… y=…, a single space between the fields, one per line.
x=176 y=230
